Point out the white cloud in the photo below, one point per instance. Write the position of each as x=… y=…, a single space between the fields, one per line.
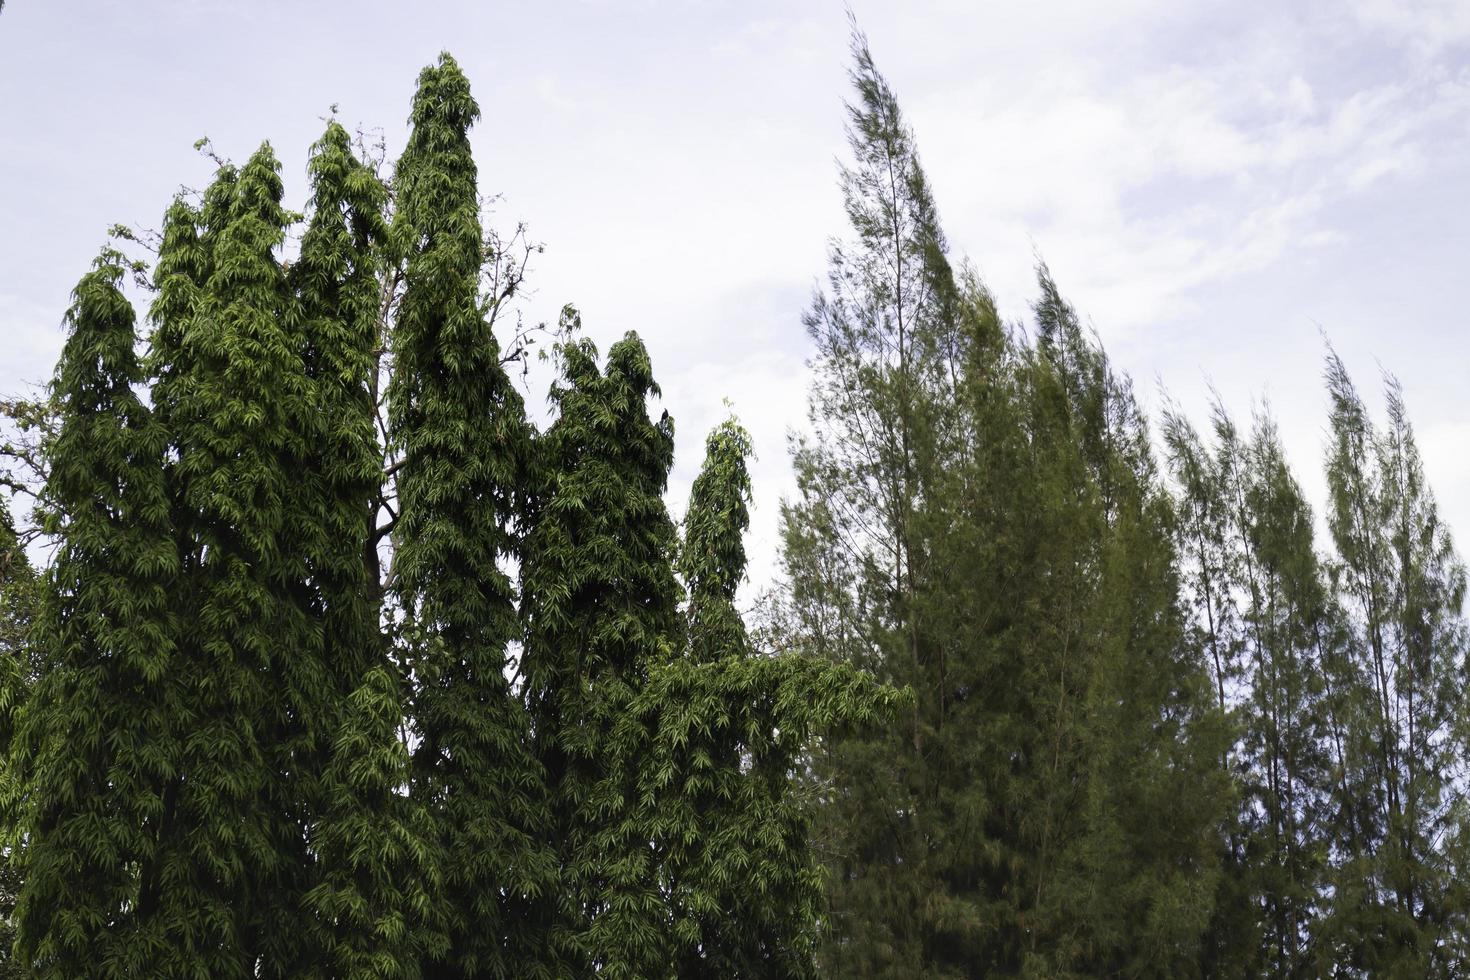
x=677 y=160
x=1143 y=190
x=1429 y=26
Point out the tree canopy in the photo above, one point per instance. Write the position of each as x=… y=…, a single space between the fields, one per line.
x=321 y=658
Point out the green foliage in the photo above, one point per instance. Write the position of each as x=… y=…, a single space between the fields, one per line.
x=600 y=606
x=1271 y=631
x=276 y=728
x=712 y=559
x=365 y=837
x=730 y=727
x=20 y=599
x=1341 y=675
x=980 y=520
x=1103 y=843
x=1402 y=587
x=215 y=630
x=97 y=743
x=732 y=828
x=341 y=669
x=459 y=429
x=234 y=397
x=887 y=336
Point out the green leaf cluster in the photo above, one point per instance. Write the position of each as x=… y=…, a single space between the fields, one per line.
x=342 y=669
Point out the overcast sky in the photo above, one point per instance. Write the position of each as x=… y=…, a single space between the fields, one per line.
x=1212 y=183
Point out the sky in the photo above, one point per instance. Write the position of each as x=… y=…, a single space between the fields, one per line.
x=1217 y=186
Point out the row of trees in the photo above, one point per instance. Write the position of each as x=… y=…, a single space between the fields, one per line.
x=279 y=708
x=1156 y=731
x=343 y=668
x=1343 y=674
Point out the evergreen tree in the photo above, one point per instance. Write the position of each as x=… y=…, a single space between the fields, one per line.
x=601 y=612
x=337 y=281
x=1398 y=576
x=20 y=598
x=1026 y=715
x=362 y=832
x=1287 y=742
x=980 y=520
x=232 y=391
x=884 y=336
x=1204 y=539
x=1348 y=837
x=1266 y=618
x=99 y=739
x=1129 y=796
x=459 y=428
x=712 y=557
x=730 y=727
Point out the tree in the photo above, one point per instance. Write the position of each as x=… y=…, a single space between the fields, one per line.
x=459 y=429
x=711 y=560
x=1287 y=737
x=883 y=332
x=20 y=598
x=366 y=839
x=729 y=726
x=1341 y=675
x=1129 y=798
x=235 y=397
x=1264 y=614
x=980 y=520
x=1397 y=574
x=601 y=610
x=99 y=740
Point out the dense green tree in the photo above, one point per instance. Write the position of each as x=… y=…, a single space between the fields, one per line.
x=99 y=739
x=459 y=430
x=712 y=555
x=341 y=669
x=235 y=398
x=20 y=598
x=1130 y=795
x=730 y=726
x=366 y=839
x=600 y=603
x=336 y=279
x=980 y=520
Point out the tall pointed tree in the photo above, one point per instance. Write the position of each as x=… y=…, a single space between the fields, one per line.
x=336 y=279
x=743 y=884
x=601 y=611
x=99 y=740
x=712 y=556
x=20 y=598
x=1398 y=575
x=1122 y=867
x=232 y=391
x=981 y=520
x=1287 y=732
x=1209 y=583
x=363 y=833
x=459 y=429
x=884 y=330
x=1268 y=626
